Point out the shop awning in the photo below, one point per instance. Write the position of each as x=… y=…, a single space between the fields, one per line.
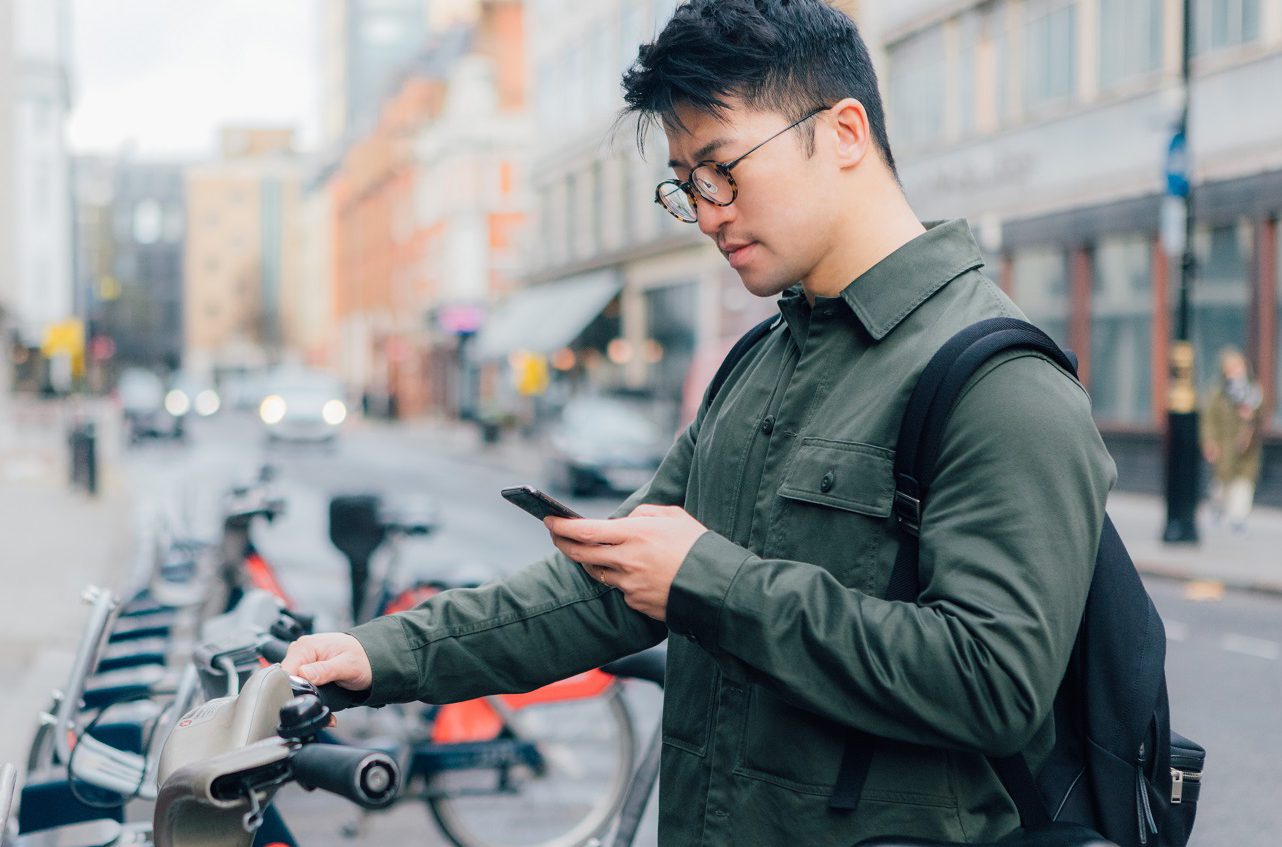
x=546 y=316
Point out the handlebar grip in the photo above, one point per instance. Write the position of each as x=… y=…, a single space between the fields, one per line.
x=366 y=777
x=273 y=649
x=338 y=698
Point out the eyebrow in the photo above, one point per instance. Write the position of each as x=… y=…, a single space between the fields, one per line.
x=702 y=153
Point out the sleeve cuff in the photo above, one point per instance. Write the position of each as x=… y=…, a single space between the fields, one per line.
x=391 y=659
x=699 y=590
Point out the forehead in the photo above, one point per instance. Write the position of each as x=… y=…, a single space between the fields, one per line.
x=694 y=134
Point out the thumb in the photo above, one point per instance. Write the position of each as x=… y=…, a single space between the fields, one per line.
x=648 y=510
x=319 y=673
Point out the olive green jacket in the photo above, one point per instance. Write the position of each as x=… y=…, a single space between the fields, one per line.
x=781 y=639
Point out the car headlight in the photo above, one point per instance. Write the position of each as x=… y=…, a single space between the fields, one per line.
x=334 y=412
x=177 y=403
x=207 y=403
x=272 y=410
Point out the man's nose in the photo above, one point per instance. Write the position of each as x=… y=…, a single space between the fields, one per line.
x=713 y=217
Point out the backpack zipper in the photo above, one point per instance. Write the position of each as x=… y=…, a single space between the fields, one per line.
x=1144 y=811
x=1178 y=778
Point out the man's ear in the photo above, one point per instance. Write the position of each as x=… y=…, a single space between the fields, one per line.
x=847 y=121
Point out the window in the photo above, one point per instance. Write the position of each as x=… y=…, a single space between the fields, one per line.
x=994 y=19
x=1221 y=293
x=148 y=222
x=1050 y=52
x=1039 y=278
x=631 y=33
x=1122 y=330
x=1224 y=23
x=917 y=81
x=1277 y=344
x=1130 y=39
x=966 y=74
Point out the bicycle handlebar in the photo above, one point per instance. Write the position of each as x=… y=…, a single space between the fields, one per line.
x=366 y=777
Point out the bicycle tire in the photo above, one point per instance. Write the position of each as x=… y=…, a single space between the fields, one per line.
x=472 y=822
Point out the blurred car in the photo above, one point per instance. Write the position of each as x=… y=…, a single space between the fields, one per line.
x=142 y=403
x=603 y=445
x=188 y=395
x=302 y=406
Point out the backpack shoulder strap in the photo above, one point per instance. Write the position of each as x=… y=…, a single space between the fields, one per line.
x=921 y=434
x=921 y=431
x=737 y=352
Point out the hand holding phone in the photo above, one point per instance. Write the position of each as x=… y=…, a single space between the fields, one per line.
x=537 y=503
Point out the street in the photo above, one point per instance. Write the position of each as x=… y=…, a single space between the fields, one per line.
x=1225 y=647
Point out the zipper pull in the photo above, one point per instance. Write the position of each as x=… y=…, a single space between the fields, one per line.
x=1144 y=810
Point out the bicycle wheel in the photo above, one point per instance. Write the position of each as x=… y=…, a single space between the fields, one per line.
x=588 y=747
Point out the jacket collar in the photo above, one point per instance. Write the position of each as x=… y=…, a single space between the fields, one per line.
x=891 y=289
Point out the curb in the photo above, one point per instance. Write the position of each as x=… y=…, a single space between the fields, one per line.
x=1175 y=573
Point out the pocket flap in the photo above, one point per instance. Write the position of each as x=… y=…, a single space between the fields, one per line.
x=842 y=474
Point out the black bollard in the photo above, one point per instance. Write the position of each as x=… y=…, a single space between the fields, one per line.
x=91 y=458
x=356 y=529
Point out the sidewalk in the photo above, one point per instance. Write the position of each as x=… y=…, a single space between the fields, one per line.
x=1252 y=562
x=56 y=542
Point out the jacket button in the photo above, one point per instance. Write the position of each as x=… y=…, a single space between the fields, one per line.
x=768 y=424
x=825 y=484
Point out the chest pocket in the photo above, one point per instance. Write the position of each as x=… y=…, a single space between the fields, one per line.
x=834 y=508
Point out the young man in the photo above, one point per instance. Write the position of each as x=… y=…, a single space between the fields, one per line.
x=765 y=540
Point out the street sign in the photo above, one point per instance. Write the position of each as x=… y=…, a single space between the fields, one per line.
x=1174 y=215
x=1177 y=166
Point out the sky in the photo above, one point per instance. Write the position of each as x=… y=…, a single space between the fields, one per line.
x=163 y=75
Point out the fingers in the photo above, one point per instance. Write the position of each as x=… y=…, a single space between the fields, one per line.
x=319 y=673
x=603 y=555
x=330 y=657
x=588 y=531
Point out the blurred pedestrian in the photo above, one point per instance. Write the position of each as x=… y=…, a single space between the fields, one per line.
x=1231 y=439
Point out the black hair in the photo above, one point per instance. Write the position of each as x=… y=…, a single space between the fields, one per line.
x=789 y=56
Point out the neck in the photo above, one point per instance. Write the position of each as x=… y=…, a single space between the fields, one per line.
x=872 y=229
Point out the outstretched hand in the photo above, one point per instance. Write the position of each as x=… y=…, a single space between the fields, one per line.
x=330 y=657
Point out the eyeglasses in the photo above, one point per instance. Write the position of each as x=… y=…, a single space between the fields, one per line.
x=711 y=181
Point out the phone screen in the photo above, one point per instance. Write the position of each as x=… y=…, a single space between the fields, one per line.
x=537 y=503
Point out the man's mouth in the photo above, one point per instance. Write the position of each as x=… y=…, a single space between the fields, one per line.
x=738 y=253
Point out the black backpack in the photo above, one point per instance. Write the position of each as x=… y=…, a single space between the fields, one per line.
x=1116 y=767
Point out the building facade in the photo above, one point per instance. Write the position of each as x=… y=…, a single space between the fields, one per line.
x=36 y=289
x=428 y=210
x=129 y=236
x=668 y=305
x=242 y=255
x=366 y=45
x=1047 y=123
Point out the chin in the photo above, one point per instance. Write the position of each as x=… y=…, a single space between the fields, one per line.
x=761 y=284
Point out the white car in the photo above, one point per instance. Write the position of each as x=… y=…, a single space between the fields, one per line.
x=302 y=406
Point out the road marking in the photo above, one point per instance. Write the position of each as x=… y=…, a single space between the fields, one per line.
x=1204 y=591
x=1176 y=631
x=1248 y=646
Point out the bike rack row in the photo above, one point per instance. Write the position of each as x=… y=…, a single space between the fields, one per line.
x=172 y=710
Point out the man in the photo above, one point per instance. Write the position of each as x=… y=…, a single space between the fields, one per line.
x=765 y=540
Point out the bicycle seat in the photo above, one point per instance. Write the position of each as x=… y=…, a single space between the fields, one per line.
x=1056 y=835
x=648 y=664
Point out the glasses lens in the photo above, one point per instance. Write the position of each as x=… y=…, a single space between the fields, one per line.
x=713 y=185
x=677 y=201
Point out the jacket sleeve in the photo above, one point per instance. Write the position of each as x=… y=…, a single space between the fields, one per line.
x=1008 y=544
x=543 y=623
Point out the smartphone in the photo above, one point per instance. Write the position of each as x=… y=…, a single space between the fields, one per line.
x=537 y=503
